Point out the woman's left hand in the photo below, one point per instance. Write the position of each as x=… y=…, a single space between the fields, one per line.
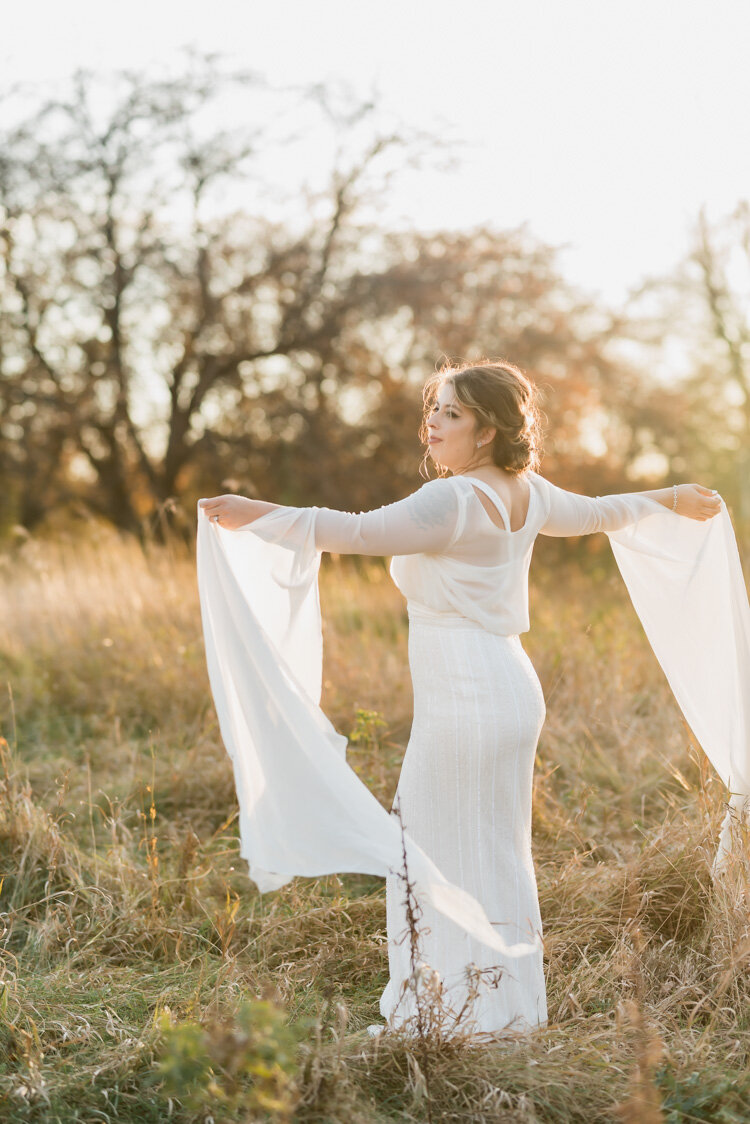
x=697 y=502
x=229 y=511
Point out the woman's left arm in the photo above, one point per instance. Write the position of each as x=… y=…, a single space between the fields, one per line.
x=573 y=514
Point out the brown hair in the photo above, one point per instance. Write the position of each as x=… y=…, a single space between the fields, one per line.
x=501 y=396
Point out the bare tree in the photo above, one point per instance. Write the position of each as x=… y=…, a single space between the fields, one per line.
x=134 y=310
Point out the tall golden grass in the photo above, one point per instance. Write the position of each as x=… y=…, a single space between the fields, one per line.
x=144 y=978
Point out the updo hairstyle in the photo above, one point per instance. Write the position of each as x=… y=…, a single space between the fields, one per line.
x=499 y=395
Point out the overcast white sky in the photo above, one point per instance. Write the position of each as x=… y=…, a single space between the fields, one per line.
x=603 y=124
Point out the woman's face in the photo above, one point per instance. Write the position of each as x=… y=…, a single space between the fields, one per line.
x=452 y=433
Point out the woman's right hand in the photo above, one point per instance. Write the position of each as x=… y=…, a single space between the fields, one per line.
x=230 y=511
x=697 y=502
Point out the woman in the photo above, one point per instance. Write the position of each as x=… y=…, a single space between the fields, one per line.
x=461 y=547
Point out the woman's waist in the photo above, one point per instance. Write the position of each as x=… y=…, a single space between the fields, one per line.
x=423 y=615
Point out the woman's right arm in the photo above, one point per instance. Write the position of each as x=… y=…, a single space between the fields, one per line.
x=425 y=522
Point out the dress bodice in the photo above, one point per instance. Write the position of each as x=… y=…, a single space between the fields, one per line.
x=483 y=573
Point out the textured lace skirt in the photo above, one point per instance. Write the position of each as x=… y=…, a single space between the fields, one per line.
x=465 y=797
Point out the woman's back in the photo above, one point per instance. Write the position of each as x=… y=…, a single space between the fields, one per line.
x=514 y=493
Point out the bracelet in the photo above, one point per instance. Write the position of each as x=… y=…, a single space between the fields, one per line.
x=674 y=500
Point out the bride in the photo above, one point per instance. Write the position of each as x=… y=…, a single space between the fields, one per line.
x=461 y=546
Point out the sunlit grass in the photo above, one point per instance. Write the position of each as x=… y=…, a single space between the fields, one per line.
x=136 y=954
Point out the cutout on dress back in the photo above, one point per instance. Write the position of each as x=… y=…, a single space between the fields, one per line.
x=499 y=505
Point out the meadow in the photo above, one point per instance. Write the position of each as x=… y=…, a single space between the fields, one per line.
x=143 y=978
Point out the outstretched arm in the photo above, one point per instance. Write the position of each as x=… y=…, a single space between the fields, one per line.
x=423 y=523
x=572 y=514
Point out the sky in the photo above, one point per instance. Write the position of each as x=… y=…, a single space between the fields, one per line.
x=603 y=125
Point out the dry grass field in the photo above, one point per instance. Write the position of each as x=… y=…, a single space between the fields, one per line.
x=144 y=979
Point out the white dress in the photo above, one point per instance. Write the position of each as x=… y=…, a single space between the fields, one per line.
x=465 y=787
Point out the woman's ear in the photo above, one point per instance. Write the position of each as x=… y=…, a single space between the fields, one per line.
x=486 y=435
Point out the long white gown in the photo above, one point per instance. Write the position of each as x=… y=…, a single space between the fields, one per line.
x=465 y=787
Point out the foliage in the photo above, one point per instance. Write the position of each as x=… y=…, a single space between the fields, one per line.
x=722 y=1100
x=243 y=1062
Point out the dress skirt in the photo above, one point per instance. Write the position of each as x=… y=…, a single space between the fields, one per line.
x=464 y=795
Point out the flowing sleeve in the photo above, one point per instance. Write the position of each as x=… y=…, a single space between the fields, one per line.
x=302 y=809
x=685 y=580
